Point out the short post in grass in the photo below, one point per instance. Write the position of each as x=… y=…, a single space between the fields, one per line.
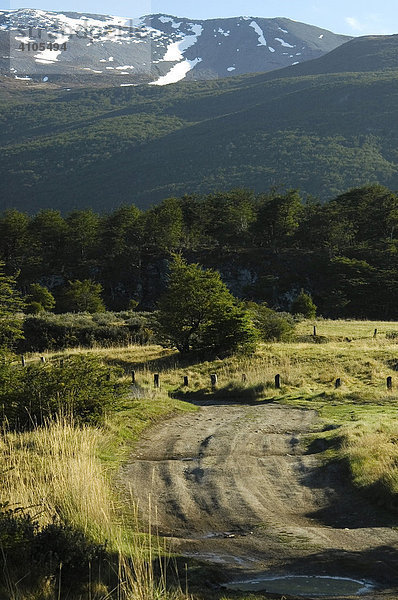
x=23 y=361
x=213 y=380
x=337 y=383
x=277 y=382
x=314 y=330
x=244 y=377
x=389 y=383
x=375 y=333
x=186 y=381
x=156 y=380
x=43 y=359
x=133 y=377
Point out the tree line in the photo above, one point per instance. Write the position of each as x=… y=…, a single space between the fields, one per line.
x=267 y=247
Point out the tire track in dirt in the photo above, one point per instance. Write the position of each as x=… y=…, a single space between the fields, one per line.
x=231 y=485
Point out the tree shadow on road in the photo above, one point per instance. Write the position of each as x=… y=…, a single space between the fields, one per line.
x=377 y=565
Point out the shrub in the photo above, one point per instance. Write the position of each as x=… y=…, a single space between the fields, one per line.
x=83 y=387
x=303 y=305
x=40 y=299
x=271 y=325
x=57 y=332
x=44 y=551
x=392 y=335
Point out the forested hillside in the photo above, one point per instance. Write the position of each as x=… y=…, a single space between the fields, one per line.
x=322 y=132
x=266 y=246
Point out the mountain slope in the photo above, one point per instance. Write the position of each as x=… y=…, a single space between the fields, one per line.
x=362 y=54
x=157 y=48
x=322 y=133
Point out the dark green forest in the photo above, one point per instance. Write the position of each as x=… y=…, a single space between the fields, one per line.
x=267 y=247
x=323 y=126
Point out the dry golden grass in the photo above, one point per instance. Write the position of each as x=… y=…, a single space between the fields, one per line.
x=372 y=452
x=53 y=472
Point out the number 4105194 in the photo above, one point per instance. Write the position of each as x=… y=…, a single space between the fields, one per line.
x=41 y=46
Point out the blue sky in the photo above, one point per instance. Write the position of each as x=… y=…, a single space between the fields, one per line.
x=353 y=17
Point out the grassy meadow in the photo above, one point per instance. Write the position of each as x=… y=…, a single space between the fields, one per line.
x=68 y=474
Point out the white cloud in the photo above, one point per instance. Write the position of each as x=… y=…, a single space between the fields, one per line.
x=354 y=23
x=368 y=24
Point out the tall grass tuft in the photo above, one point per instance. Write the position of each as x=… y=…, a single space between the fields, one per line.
x=53 y=473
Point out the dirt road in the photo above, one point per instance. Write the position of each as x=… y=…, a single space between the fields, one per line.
x=232 y=486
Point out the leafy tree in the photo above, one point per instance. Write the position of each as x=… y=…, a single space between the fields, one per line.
x=82 y=232
x=48 y=230
x=164 y=225
x=303 y=305
x=14 y=237
x=39 y=299
x=198 y=312
x=11 y=306
x=373 y=211
x=84 y=296
x=278 y=219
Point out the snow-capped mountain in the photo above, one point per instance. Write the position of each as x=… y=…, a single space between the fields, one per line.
x=157 y=49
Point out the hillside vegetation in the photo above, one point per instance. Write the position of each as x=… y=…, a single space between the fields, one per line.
x=322 y=127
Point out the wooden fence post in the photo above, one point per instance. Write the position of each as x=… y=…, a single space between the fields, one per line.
x=389 y=383
x=278 y=382
x=337 y=383
x=213 y=379
x=43 y=359
x=375 y=333
x=156 y=380
x=314 y=330
x=23 y=362
x=133 y=377
x=186 y=381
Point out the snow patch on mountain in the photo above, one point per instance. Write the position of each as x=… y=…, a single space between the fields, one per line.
x=283 y=43
x=175 y=51
x=177 y=72
x=157 y=49
x=260 y=33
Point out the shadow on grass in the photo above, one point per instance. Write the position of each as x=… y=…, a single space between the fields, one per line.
x=163 y=363
x=232 y=393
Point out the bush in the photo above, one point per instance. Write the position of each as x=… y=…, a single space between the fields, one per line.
x=57 y=332
x=271 y=325
x=43 y=551
x=392 y=335
x=83 y=387
x=303 y=305
x=40 y=299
